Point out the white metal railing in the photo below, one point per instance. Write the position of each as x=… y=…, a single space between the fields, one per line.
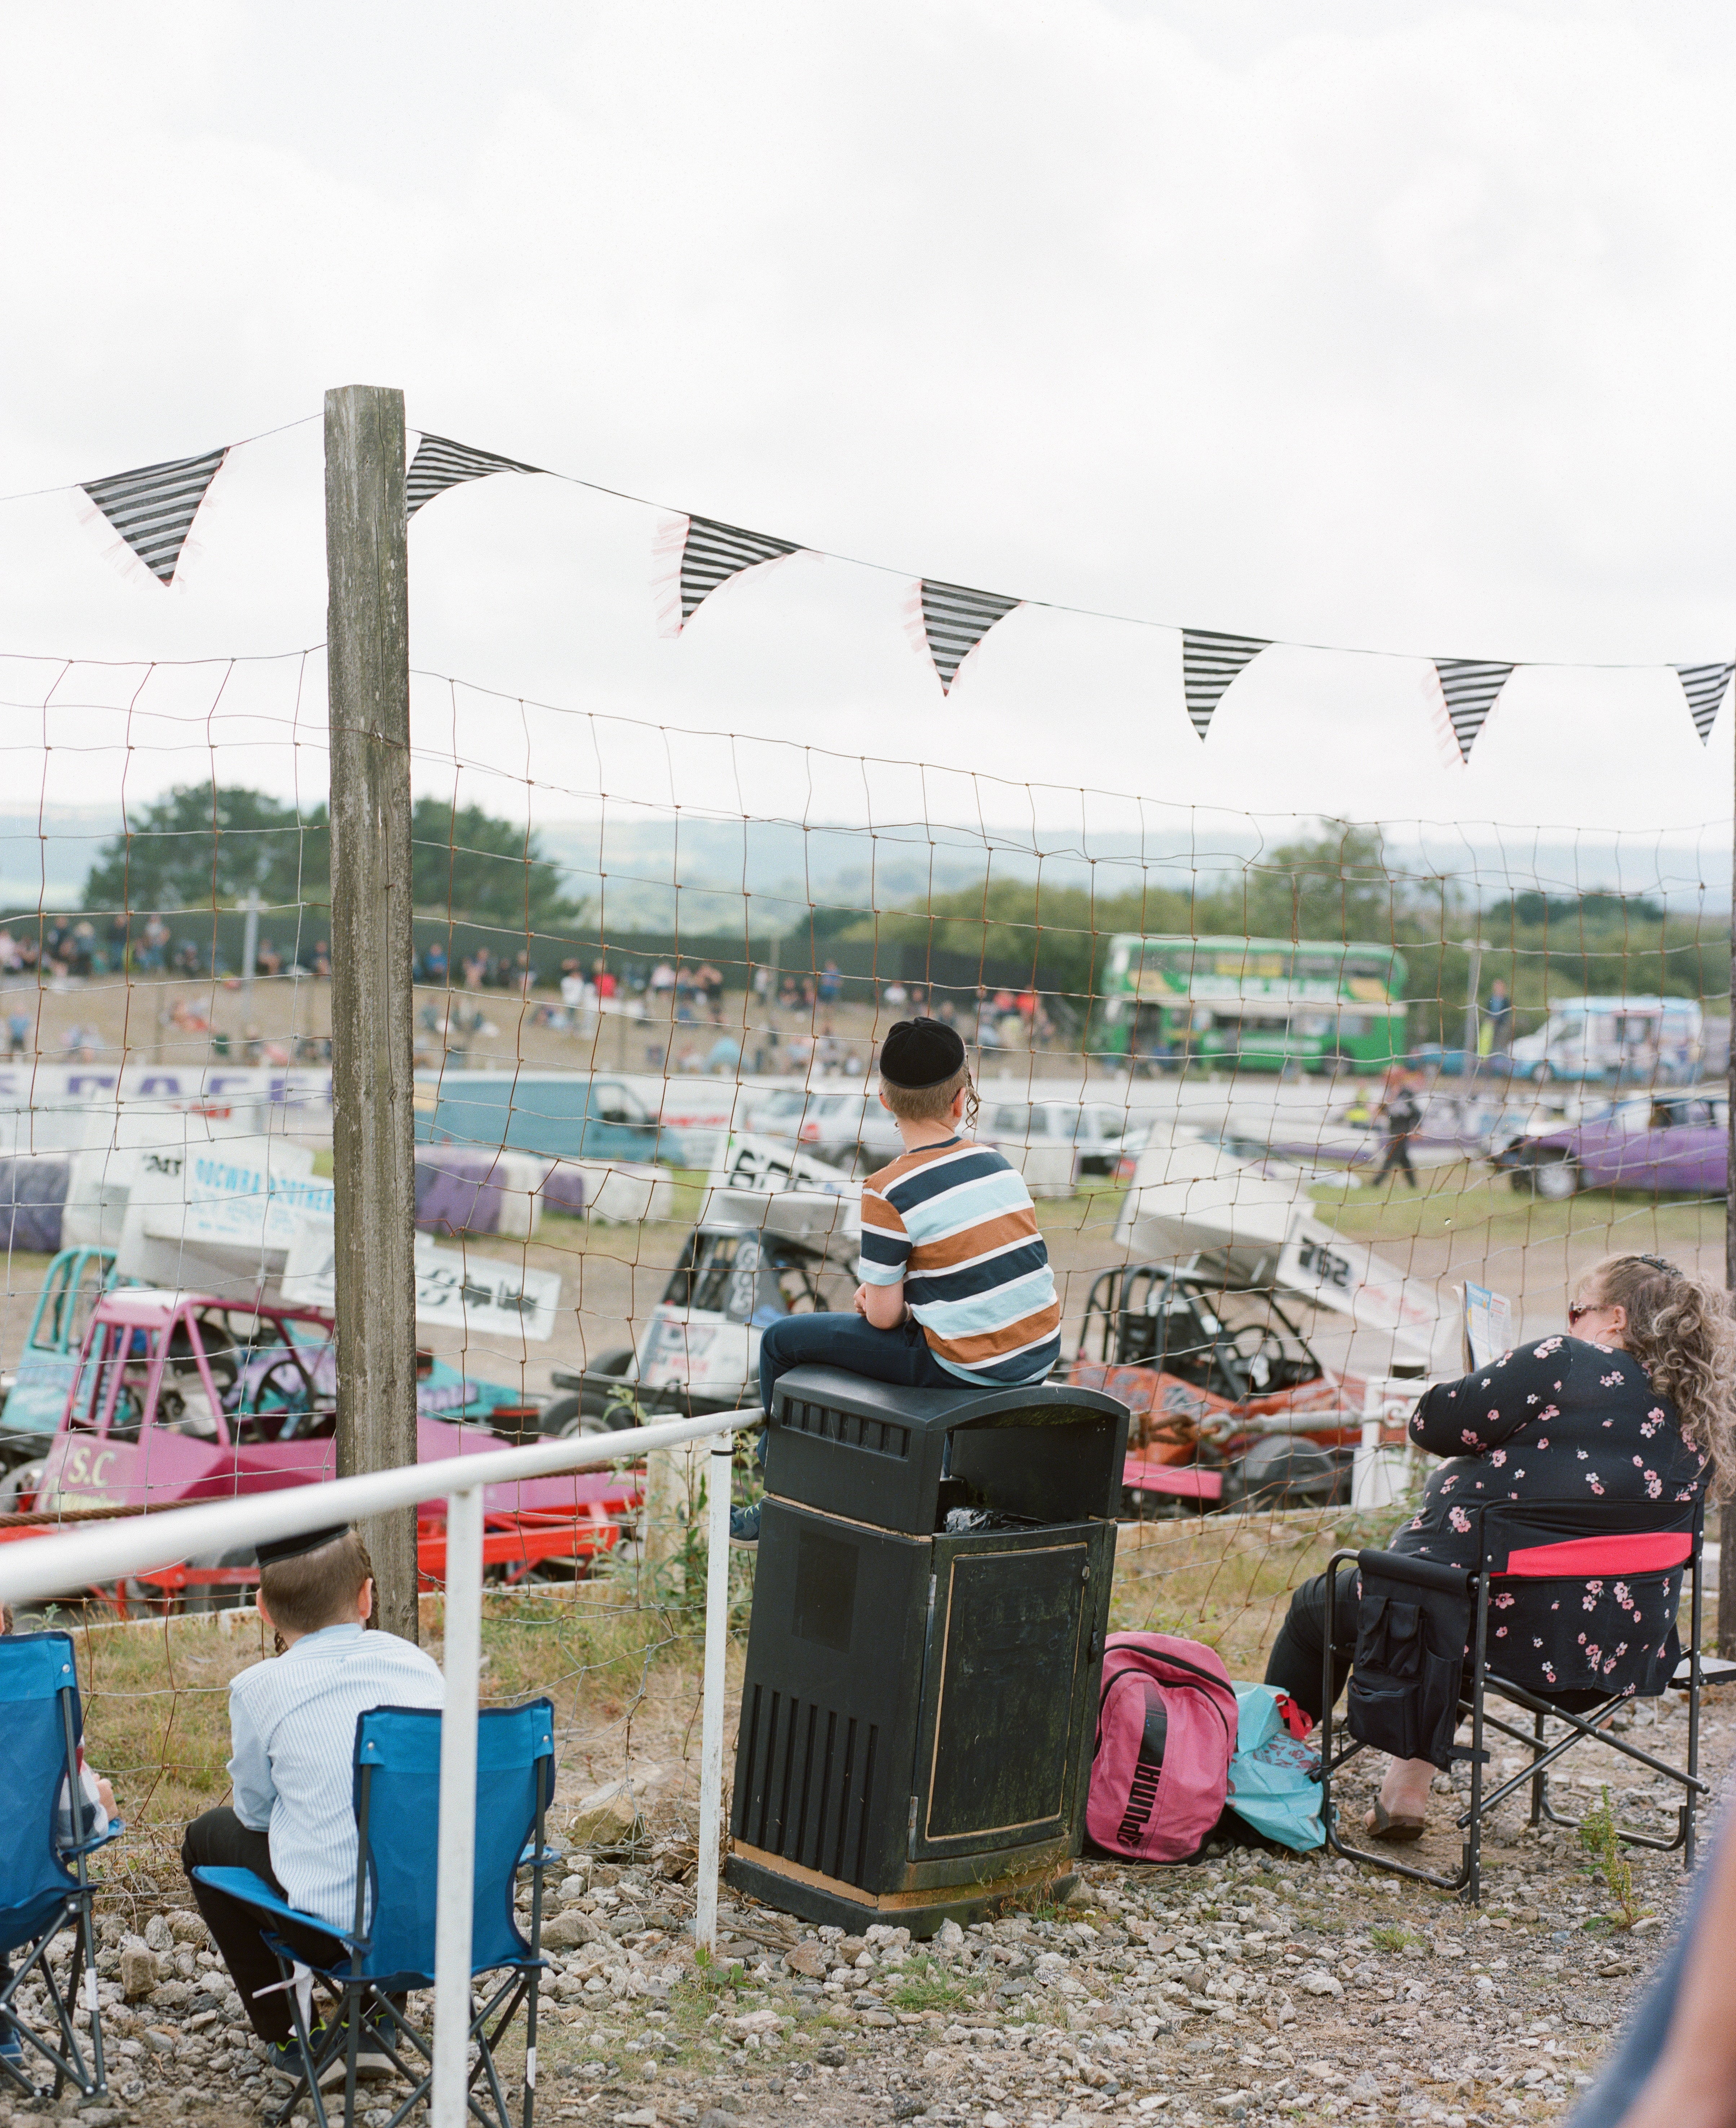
x=51 y=1565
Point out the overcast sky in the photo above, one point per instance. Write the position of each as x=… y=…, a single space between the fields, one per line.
x=1404 y=326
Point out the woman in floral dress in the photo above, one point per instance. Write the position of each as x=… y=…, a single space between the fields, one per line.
x=1636 y=1401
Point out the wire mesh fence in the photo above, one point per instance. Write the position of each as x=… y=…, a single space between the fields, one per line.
x=1278 y=1087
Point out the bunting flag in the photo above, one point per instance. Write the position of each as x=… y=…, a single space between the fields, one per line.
x=153 y=507
x=1209 y=663
x=1703 y=686
x=440 y=463
x=710 y=554
x=955 y=620
x=1469 y=686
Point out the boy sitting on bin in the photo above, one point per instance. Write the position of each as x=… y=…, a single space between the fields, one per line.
x=956 y=1289
x=292 y=1724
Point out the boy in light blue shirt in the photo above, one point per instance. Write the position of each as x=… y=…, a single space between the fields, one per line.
x=293 y=1725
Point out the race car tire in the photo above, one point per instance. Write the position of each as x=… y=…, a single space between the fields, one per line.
x=1554 y=1181
x=20 y=1483
x=209 y=1597
x=1284 y=1471
x=563 y=1415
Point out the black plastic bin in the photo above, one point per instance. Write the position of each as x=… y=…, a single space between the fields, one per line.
x=919 y=1706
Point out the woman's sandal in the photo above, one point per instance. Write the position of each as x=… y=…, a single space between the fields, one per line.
x=1382 y=1825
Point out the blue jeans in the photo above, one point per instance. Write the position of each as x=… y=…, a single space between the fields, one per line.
x=901 y=1356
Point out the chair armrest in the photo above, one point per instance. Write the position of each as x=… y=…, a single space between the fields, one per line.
x=1420 y=1573
x=252 y=1890
x=116 y=1826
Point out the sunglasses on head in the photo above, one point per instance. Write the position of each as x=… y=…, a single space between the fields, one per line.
x=1578 y=1309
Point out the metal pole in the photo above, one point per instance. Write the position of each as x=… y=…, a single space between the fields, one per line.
x=373 y=1158
x=250 y=945
x=456 y=1854
x=718 y=1464
x=1474 y=948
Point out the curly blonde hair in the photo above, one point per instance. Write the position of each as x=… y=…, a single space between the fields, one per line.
x=1683 y=1331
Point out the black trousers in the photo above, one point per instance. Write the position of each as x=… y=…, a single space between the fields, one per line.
x=1397 y=1162
x=1295 y=1663
x=219 y=1840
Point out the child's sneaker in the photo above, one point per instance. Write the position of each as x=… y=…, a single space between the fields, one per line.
x=744 y=1525
x=12 y=2053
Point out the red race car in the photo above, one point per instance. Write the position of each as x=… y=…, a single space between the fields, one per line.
x=1230 y=1408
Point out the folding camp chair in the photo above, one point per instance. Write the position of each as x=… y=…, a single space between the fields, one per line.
x=1539 y=1558
x=397 y=1805
x=44 y=1885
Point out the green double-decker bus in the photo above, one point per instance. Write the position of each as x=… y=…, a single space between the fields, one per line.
x=1259 y=1004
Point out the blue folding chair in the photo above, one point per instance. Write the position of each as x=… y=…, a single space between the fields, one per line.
x=44 y=1885
x=397 y=1806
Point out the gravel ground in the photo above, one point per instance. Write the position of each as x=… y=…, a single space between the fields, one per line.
x=1251 y=1987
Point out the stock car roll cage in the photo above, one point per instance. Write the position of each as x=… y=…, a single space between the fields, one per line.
x=1134 y=1310
x=201 y=1348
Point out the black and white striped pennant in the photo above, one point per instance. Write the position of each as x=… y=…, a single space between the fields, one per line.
x=1703 y=686
x=1209 y=663
x=440 y=463
x=955 y=620
x=1468 y=687
x=153 y=507
x=712 y=554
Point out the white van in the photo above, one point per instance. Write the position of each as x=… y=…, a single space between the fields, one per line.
x=1640 y=1040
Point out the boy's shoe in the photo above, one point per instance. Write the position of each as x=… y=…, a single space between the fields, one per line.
x=744 y=1525
x=284 y=2057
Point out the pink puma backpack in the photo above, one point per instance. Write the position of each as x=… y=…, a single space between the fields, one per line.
x=1165 y=1736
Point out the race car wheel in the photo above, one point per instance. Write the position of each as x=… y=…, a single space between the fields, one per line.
x=1554 y=1179
x=219 y=1596
x=563 y=1415
x=18 y=1487
x=620 y=1415
x=1284 y=1471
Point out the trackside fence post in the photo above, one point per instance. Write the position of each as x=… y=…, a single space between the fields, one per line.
x=457 y=1853
x=373 y=1155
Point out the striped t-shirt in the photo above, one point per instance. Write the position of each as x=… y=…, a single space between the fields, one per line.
x=956 y=1223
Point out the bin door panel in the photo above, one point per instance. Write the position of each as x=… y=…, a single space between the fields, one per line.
x=1007 y=1659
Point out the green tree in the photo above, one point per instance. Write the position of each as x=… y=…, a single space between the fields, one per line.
x=465 y=862
x=201 y=846
x=206 y=846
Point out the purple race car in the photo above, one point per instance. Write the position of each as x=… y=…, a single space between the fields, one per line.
x=1665 y=1141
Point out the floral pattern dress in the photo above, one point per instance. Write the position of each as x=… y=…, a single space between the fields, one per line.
x=1559 y=1420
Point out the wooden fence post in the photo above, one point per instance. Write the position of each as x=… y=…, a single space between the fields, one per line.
x=373 y=1160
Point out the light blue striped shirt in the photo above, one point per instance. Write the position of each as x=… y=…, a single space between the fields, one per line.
x=293 y=1725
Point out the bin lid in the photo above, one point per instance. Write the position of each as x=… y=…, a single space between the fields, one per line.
x=944 y=1411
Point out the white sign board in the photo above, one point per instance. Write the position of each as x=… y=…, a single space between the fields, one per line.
x=475 y=1295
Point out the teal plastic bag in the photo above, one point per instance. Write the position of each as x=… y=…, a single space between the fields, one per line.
x=1270 y=1786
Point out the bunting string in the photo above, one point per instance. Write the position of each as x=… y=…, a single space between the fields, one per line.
x=153 y=508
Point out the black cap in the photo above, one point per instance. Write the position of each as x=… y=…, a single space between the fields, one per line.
x=276 y=1549
x=920 y=1053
